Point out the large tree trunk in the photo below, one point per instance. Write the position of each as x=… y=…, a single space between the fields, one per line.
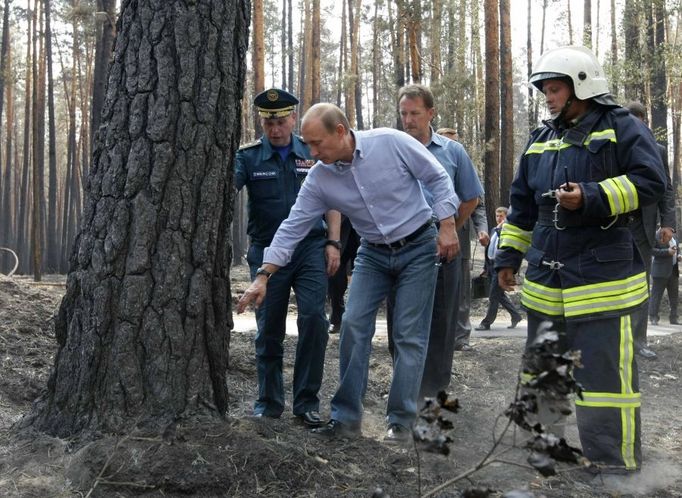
x=144 y=327
x=491 y=155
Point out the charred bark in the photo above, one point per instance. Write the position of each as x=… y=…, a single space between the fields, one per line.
x=144 y=327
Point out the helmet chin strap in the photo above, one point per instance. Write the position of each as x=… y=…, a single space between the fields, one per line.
x=562 y=114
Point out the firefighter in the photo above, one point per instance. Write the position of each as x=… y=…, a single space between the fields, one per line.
x=581 y=174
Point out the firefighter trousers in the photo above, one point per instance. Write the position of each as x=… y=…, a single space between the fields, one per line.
x=608 y=416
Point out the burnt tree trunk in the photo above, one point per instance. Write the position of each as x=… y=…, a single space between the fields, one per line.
x=144 y=327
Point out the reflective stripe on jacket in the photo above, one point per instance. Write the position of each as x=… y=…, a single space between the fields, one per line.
x=583 y=271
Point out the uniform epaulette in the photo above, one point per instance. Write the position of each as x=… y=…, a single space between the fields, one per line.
x=621 y=110
x=251 y=144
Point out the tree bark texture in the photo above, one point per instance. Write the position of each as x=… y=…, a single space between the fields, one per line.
x=491 y=155
x=258 y=59
x=53 y=235
x=144 y=327
x=6 y=221
x=659 y=81
x=633 y=79
x=506 y=103
x=106 y=32
x=587 y=23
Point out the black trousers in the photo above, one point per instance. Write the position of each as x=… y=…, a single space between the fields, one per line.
x=608 y=415
x=658 y=287
x=499 y=297
x=338 y=283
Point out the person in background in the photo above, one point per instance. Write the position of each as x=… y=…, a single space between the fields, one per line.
x=643 y=225
x=665 y=275
x=272 y=169
x=497 y=295
x=416 y=109
x=477 y=224
x=582 y=173
x=338 y=283
x=375 y=177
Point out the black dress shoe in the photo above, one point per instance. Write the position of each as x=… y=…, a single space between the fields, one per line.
x=335 y=429
x=674 y=321
x=515 y=322
x=310 y=418
x=483 y=326
x=463 y=347
x=397 y=434
x=646 y=353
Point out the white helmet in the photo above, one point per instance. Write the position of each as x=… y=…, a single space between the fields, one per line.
x=577 y=63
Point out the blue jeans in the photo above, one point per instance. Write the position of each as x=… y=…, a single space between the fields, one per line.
x=411 y=271
x=306 y=273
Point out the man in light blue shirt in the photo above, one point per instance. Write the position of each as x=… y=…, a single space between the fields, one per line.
x=373 y=177
x=416 y=108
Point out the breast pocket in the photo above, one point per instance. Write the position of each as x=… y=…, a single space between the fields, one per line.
x=264 y=185
x=601 y=160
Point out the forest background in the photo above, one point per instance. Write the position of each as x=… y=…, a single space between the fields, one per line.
x=475 y=54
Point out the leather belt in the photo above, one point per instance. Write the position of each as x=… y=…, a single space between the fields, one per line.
x=405 y=240
x=565 y=219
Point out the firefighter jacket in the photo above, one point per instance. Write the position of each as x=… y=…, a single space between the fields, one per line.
x=273 y=184
x=582 y=263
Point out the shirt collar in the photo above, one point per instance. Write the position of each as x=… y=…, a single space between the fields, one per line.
x=436 y=139
x=358 y=144
x=297 y=147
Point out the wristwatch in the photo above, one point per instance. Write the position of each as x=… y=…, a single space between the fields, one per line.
x=263 y=271
x=335 y=243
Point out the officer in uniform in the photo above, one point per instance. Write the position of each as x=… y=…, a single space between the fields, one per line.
x=272 y=169
x=580 y=175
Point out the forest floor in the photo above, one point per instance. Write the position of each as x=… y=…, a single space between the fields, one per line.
x=245 y=456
